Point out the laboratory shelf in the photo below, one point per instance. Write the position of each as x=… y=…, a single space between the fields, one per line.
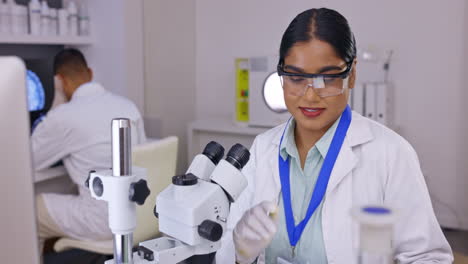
x=45 y=40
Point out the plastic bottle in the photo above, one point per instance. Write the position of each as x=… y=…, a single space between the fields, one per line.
x=83 y=19
x=35 y=17
x=3 y=18
x=6 y=19
x=62 y=22
x=24 y=19
x=375 y=234
x=72 y=19
x=53 y=24
x=16 y=19
x=45 y=18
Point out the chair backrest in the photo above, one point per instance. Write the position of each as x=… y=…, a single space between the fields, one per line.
x=159 y=158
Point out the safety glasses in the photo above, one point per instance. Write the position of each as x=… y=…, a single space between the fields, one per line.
x=324 y=85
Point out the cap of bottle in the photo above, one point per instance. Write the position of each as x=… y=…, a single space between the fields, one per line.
x=72 y=9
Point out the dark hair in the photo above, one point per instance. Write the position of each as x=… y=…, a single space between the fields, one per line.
x=70 y=61
x=324 y=24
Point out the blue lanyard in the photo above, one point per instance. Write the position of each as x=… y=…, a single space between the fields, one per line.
x=295 y=232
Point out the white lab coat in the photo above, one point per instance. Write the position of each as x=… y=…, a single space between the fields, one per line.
x=79 y=134
x=374 y=166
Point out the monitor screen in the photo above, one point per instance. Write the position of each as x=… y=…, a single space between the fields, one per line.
x=36 y=94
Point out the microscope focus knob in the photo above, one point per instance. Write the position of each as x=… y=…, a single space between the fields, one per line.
x=139 y=191
x=185 y=180
x=210 y=230
x=89 y=177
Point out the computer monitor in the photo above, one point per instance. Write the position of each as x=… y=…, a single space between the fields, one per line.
x=36 y=93
x=36 y=98
x=40 y=87
x=18 y=228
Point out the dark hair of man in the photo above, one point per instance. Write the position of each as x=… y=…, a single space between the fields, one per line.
x=71 y=63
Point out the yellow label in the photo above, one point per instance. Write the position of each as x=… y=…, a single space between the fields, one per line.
x=242 y=90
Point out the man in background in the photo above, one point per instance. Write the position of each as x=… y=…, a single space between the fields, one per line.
x=78 y=133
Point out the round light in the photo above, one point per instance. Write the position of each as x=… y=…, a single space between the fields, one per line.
x=273 y=93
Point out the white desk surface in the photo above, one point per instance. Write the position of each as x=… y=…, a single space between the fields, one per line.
x=49 y=173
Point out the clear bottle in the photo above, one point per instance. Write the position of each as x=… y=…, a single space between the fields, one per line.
x=62 y=22
x=45 y=18
x=375 y=234
x=83 y=19
x=53 y=24
x=72 y=19
x=3 y=18
x=15 y=17
x=7 y=17
x=35 y=17
x=24 y=19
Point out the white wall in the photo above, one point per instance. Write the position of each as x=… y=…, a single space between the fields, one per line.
x=116 y=54
x=462 y=168
x=134 y=62
x=169 y=40
x=427 y=37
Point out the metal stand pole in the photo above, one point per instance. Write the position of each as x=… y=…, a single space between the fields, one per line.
x=121 y=167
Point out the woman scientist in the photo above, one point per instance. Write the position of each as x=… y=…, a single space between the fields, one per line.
x=306 y=175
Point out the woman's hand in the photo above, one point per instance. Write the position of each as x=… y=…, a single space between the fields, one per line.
x=255 y=231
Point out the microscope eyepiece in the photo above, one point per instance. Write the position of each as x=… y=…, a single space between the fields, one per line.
x=214 y=152
x=238 y=156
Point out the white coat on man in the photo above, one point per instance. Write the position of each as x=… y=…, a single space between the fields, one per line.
x=79 y=134
x=375 y=166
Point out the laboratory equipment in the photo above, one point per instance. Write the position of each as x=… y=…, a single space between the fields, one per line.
x=83 y=19
x=267 y=107
x=372 y=95
x=45 y=19
x=72 y=19
x=62 y=22
x=121 y=187
x=18 y=195
x=194 y=209
x=35 y=17
x=242 y=90
x=24 y=19
x=19 y=18
x=375 y=233
x=5 y=18
x=53 y=21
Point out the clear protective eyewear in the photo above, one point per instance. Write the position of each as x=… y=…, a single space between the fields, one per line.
x=324 y=85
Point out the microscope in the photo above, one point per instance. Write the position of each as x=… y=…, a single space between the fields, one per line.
x=192 y=211
x=121 y=187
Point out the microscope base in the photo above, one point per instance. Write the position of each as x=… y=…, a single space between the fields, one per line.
x=166 y=250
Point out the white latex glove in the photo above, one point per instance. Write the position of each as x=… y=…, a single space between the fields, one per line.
x=255 y=231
